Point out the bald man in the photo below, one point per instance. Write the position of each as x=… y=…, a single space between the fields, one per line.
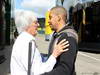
x=62 y=30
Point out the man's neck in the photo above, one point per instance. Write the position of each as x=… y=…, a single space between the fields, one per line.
x=61 y=25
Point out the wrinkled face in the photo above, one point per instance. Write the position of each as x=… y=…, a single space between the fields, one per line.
x=53 y=21
x=34 y=27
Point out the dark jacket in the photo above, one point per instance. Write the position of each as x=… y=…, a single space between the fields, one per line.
x=66 y=61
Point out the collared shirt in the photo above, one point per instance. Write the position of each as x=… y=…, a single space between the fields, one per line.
x=19 y=57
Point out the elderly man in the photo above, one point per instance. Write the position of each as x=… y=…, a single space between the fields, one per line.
x=28 y=24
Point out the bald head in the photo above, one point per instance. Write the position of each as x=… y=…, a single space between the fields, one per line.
x=59 y=10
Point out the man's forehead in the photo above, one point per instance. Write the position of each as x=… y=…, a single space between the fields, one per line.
x=52 y=13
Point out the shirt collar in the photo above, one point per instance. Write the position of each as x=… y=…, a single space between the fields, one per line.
x=28 y=36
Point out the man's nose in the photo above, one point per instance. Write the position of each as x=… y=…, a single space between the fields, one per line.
x=38 y=24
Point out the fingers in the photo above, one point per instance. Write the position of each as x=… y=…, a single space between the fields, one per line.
x=60 y=48
x=64 y=50
x=65 y=46
x=62 y=41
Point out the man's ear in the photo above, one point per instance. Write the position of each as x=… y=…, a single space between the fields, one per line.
x=59 y=17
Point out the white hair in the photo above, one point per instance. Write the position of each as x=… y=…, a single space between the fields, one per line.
x=23 y=19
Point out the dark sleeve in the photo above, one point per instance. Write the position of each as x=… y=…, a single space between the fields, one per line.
x=65 y=64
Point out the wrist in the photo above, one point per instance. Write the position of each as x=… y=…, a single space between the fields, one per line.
x=54 y=55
